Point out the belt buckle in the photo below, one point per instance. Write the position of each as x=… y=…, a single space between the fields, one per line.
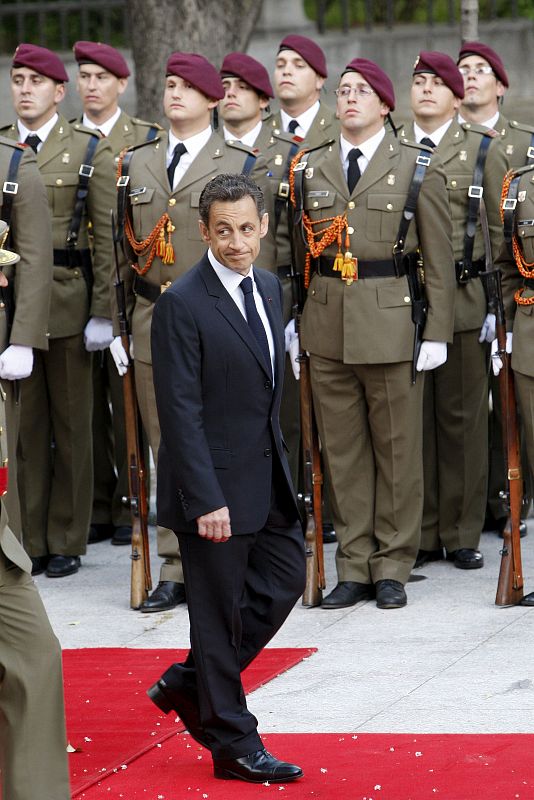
x=283 y=189
x=463 y=275
x=164 y=286
x=10 y=187
x=509 y=204
x=475 y=191
x=123 y=181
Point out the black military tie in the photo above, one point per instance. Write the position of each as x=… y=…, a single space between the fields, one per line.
x=429 y=143
x=292 y=127
x=254 y=320
x=178 y=152
x=33 y=141
x=353 y=172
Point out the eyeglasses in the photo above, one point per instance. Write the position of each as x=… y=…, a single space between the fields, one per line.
x=485 y=70
x=359 y=91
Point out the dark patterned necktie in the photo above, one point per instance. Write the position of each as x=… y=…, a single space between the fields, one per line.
x=292 y=127
x=353 y=172
x=33 y=141
x=177 y=153
x=254 y=320
x=429 y=143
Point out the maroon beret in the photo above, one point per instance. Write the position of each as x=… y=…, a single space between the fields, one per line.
x=102 y=54
x=196 y=70
x=310 y=52
x=249 y=70
x=443 y=66
x=489 y=55
x=41 y=60
x=375 y=77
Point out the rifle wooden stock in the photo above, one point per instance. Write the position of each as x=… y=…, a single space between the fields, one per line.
x=510 y=584
x=313 y=482
x=141 y=579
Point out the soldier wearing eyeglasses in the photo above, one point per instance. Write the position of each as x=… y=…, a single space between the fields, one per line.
x=350 y=195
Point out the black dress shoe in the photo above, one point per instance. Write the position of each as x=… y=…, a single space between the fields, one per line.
x=257 y=767
x=426 y=556
x=347 y=593
x=122 y=535
x=39 y=564
x=390 y=594
x=99 y=531
x=329 y=534
x=166 y=595
x=522 y=529
x=466 y=558
x=184 y=704
x=60 y=566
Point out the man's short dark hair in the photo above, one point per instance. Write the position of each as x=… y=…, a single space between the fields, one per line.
x=229 y=188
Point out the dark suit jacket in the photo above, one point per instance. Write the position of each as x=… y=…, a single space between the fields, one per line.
x=220 y=434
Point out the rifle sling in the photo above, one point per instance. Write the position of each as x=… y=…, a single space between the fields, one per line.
x=421 y=163
x=509 y=207
x=475 y=193
x=85 y=173
x=282 y=195
x=11 y=186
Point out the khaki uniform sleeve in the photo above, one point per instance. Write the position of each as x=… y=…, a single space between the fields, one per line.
x=101 y=200
x=32 y=240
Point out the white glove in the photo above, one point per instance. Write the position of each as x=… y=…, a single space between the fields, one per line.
x=487 y=331
x=120 y=356
x=98 y=334
x=431 y=355
x=496 y=360
x=293 y=347
x=16 y=362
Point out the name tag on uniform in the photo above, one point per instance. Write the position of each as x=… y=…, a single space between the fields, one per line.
x=140 y=190
x=525 y=223
x=318 y=194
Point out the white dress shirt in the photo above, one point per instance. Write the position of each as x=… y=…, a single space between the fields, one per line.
x=247 y=139
x=436 y=136
x=304 y=120
x=193 y=144
x=106 y=127
x=231 y=281
x=41 y=132
x=367 y=149
x=489 y=123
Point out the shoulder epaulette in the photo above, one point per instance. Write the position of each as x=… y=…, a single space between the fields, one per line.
x=411 y=143
x=12 y=143
x=145 y=124
x=520 y=126
x=11 y=127
x=306 y=149
x=141 y=144
x=240 y=146
x=77 y=126
x=474 y=128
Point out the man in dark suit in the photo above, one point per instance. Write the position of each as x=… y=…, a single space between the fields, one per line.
x=223 y=478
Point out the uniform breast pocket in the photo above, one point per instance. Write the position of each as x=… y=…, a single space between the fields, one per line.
x=61 y=191
x=525 y=230
x=193 y=231
x=458 y=188
x=143 y=214
x=383 y=216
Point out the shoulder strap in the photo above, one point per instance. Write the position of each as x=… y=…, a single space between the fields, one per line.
x=85 y=172
x=122 y=192
x=152 y=133
x=11 y=187
x=249 y=163
x=475 y=193
x=421 y=163
x=282 y=194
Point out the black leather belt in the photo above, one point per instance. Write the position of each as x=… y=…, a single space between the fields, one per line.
x=366 y=269
x=72 y=258
x=464 y=272
x=150 y=291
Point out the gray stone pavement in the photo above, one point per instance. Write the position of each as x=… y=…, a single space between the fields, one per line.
x=449 y=662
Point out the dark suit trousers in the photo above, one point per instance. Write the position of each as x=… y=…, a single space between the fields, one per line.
x=238 y=594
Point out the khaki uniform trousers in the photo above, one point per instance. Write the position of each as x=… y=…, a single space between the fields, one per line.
x=109 y=444
x=33 y=742
x=369 y=419
x=455 y=440
x=11 y=501
x=524 y=386
x=168 y=550
x=55 y=463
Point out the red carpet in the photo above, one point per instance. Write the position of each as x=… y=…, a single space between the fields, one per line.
x=342 y=767
x=111 y=721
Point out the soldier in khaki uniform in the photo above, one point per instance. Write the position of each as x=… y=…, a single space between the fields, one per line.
x=357 y=326
x=247 y=92
x=486 y=82
x=33 y=742
x=25 y=326
x=516 y=261
x=165 y=178
x=102 y=79
x=55 y=454
x=456 y=421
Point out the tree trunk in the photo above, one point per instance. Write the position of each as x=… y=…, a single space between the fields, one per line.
x=469 y=20
x=160 y=27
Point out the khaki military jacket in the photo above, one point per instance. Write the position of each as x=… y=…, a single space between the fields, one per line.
x=370 y=321
x=516 y=139
x=520 y=318
x=458 y=152
x=150 y=196
x=59 y=162
x=31 y=238
x=129 y=132
x=325 y=126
